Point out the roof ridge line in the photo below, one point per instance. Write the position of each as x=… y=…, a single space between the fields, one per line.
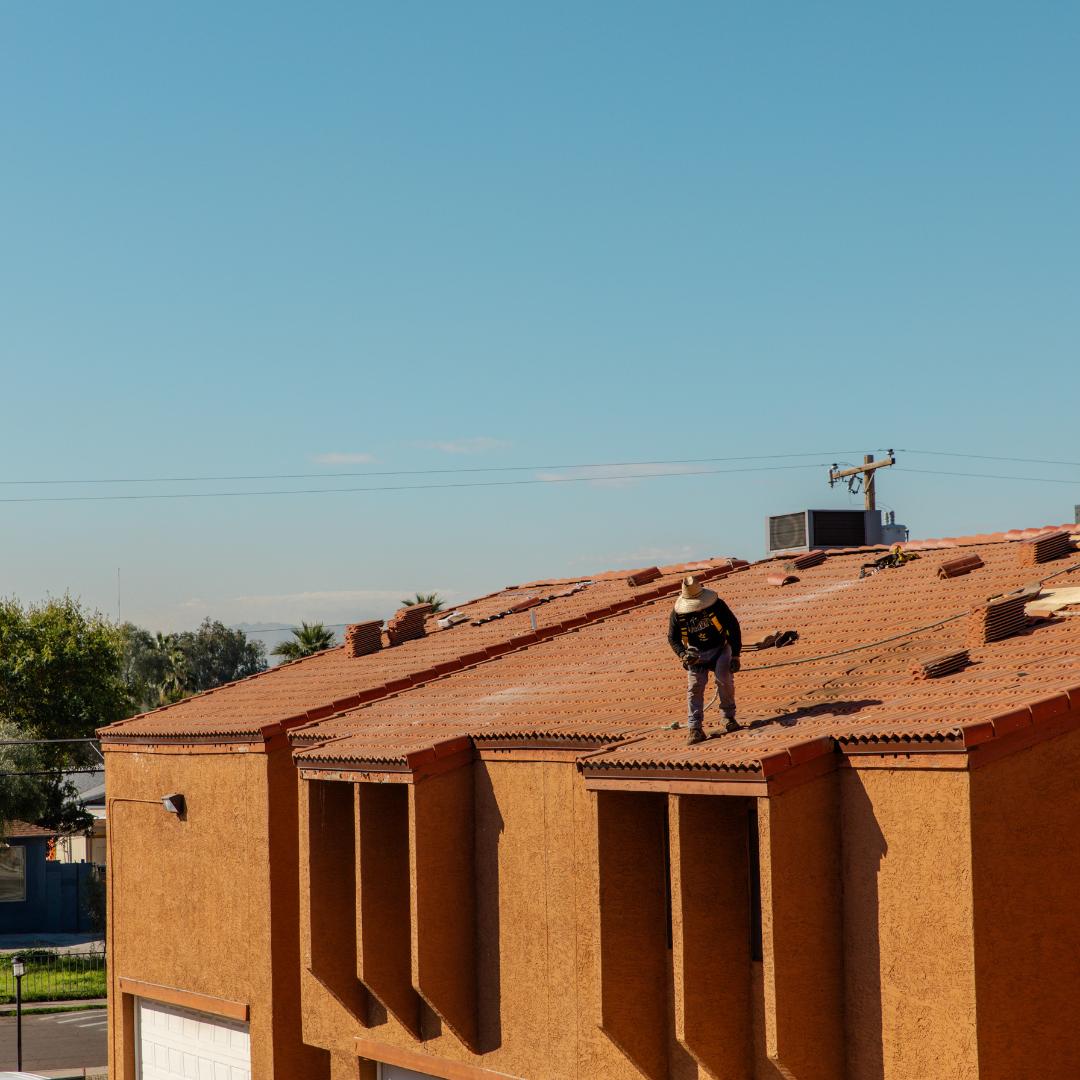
x=505 y=648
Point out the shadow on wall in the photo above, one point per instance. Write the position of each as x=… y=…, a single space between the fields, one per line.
x=864 y=849
x=489 y=829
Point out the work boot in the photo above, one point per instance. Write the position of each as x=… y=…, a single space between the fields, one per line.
x=696 y=735
x=730 y=723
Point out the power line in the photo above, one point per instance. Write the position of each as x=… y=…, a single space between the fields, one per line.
x=992 y=457
x=401 y=487
x=418 y=472
x=992 y=476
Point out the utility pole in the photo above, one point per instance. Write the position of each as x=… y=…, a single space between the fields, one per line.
x=866 y=473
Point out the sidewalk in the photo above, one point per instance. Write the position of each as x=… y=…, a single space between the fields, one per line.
x=98 y=1072
x=81 y=1003
x=64 y=943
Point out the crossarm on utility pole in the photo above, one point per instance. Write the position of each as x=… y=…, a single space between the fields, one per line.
x=867 y=470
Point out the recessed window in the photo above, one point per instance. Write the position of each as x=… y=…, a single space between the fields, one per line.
x=12 y=874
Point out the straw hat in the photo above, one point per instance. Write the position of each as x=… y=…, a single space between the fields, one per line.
x=693 y=596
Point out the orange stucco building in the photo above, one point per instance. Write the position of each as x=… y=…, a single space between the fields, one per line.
x=484 y=851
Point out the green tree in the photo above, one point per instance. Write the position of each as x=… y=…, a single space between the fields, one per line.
x=309 y=638
x=214 y=655
x=140 y=666
x=60 y=678
x=162 y=668
x=171 y=665
x=431 y=598
x=22 y=793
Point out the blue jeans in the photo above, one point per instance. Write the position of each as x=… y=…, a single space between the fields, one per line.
x=697 y=679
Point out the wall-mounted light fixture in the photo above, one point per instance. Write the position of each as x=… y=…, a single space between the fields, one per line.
x=175 y=804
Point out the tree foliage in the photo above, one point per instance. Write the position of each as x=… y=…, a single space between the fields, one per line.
x=431 y=598
x=162 y=668
x=59 y=669
x=60 y=679
x=308 y=639
x=214 y=655
x=64 y=672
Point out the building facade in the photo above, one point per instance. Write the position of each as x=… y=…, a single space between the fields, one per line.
x=486 y=852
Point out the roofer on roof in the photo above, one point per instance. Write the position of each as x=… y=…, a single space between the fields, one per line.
x=705 y=635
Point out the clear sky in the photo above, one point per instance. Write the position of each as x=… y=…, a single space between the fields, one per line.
x=268 y=238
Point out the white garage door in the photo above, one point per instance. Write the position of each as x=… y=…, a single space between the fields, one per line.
x=181 y=1044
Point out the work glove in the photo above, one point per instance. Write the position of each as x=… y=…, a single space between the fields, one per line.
x=735 y=665
x=691 y=658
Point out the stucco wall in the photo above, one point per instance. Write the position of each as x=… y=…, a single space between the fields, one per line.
x=1026 y=870
x=191 y=902
x=909 y=960
x=539 y=953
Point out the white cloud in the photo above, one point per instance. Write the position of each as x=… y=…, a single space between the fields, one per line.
x=338 y=458
x=617 y=475
x=477 y=444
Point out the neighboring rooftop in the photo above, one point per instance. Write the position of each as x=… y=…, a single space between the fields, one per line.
x=23 y=830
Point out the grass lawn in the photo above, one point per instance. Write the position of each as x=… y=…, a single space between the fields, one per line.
x=53 y=976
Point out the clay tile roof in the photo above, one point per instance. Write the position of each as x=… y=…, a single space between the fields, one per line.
x=848 y=683
x=323 y=685
x=23 y=830
x=598 y=680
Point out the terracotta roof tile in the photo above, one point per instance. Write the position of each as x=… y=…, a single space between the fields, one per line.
x=298 y=692
x=847 y=680
x=23 y=830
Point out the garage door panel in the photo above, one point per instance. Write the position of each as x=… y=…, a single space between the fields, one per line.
x=396 y=1072
x=182 y=1044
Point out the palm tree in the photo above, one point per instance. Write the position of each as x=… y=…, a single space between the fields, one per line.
x=170 y=668
x=431 y=598
x=310 y=638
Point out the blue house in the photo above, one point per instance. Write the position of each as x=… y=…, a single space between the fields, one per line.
x=39 y=895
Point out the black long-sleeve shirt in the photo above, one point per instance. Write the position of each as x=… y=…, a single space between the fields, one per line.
x=700 y=630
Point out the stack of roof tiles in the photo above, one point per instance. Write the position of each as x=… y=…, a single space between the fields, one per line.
x=363 y=638
x=934 y=667
x=807 y=560
x=998 y=619
x=408 y=623
x=957 y=567
x=1040 y=549
x=643 y=577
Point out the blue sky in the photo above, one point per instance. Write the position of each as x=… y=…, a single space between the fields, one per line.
x=268 y=238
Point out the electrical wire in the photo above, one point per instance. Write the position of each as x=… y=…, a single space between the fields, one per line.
x=991 y=476
x=398 y=487
x=421 y=472
x=990 y=457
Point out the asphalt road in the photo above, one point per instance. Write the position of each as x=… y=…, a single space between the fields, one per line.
x=56 y=1040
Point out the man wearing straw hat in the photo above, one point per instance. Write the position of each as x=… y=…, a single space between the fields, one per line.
x=706 y=637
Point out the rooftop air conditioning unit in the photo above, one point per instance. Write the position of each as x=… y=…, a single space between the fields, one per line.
x=809 y=530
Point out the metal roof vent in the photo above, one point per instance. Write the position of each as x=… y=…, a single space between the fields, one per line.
x=811 y=530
